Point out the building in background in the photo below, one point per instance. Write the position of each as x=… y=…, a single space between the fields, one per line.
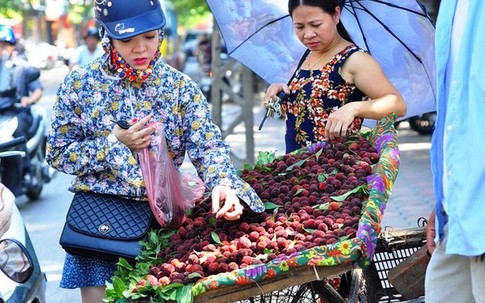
x=171 y=44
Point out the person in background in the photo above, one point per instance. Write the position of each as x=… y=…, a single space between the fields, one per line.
x=337 y=84
x=14 y=64
x=204 y=52
x=90 y=50
x=20 y=88
x=456 y=271
x=130 y=82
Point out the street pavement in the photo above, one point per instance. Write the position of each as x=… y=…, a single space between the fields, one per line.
x=412 y=195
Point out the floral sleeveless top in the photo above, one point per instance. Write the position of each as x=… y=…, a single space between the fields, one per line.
x=314 y=95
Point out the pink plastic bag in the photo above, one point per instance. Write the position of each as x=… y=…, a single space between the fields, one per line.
x=170 y=192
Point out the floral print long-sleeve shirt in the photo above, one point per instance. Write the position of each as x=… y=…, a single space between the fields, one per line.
x=81 y=141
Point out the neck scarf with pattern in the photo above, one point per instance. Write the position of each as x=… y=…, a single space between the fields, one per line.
x=125 y=71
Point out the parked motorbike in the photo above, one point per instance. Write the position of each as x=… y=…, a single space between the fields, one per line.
x=423 y=124
x=21 y=278
x=34 y=145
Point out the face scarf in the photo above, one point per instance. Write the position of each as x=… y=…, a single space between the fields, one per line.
x=125 y=71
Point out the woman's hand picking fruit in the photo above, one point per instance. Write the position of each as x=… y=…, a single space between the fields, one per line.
x=231 y=206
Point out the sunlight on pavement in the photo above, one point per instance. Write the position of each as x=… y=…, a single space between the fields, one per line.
x=53 y=272
x=414 y=146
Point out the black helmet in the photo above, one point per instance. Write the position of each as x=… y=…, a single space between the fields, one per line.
x=124 y=19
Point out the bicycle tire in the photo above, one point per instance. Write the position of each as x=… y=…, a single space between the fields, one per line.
x=357 y=290
x=327 y=292
x=311 y=292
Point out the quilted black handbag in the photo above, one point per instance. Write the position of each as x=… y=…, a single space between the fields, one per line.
x=105 y=226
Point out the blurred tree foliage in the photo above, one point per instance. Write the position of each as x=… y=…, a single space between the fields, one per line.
x=80 y=11
x=191 y=12
x=11 y=8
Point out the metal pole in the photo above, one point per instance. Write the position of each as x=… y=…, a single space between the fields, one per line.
x=247 y=109
x=216 y=96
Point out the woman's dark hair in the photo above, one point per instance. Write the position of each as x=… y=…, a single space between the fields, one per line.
x=327 y=6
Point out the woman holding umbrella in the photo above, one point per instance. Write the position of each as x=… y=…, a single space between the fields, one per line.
x=336 y=85
x=131 y=84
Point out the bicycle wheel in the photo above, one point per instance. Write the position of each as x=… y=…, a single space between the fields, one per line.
x=357 y=290
x=312 y=292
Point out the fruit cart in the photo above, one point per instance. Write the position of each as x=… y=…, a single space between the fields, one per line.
x=300 y=285
x=372 y=284
x=304 y=271
x=319 y=250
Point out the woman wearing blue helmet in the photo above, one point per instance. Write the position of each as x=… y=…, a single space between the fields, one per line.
x=130 y=82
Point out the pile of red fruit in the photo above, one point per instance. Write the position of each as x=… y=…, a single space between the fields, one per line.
x=312 y=199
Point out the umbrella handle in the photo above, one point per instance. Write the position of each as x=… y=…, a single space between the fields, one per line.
x=264 y=119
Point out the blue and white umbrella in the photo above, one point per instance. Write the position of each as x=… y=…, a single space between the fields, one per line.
x=397 y=33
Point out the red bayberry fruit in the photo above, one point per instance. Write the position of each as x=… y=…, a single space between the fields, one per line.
x=164 y=280
x=213 y=268
x=194 y=268
x=244 y=243
x=334 y=206
x=232 y=266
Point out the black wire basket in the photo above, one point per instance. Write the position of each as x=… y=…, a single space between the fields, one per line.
x=393 y=247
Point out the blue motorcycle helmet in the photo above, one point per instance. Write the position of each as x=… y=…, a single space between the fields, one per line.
x=7 y=34
x=124 y=19
x=92 y=32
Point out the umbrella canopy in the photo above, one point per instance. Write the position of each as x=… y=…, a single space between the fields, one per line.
x=397 y=33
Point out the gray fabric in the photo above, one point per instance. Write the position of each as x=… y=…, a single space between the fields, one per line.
x=7 y=200
x=5 y=75
x=16 y=75
x=454 y=278
x=13 y=261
